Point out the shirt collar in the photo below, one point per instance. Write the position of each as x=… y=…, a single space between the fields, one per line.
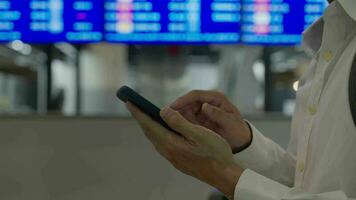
x=350 y=7
x=312 y=37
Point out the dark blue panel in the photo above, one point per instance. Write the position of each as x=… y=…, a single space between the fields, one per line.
x=173 y=21
x=278 y=22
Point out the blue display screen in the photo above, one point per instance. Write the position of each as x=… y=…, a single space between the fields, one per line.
x=275 y=22
x=172 y=21
x=48 y=21
x=278 y=21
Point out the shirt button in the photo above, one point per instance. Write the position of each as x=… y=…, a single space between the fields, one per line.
x=312 y=110
x=301 y=167
x=328 y=56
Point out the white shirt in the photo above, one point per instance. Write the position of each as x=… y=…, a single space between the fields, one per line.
x=320 y=163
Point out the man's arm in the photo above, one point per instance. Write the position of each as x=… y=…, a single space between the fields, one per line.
x=214 y=111
x=268 y=159
x=205 y=155
x=252 y=185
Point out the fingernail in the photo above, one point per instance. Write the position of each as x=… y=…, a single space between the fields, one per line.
x=207 y=108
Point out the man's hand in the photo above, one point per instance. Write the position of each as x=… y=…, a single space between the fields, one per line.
x=198 y=152
x=214 y=111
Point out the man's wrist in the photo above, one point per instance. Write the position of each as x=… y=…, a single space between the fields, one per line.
x=228 y=179
x=246 y=145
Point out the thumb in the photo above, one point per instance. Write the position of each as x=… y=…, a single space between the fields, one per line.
x=216 y=114
x=178 y=123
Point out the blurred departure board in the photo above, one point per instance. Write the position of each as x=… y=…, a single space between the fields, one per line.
x=275 y=22
x=278 y=21
x=9 y=21
x=46 y=21
x=172 y=21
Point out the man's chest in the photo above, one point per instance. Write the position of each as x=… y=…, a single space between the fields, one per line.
x=326 y=133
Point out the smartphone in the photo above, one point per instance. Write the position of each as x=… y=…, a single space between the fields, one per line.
x=126 y=94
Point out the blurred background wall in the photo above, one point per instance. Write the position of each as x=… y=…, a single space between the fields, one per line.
x=70 y=80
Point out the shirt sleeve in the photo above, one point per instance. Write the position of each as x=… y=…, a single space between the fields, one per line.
x=269 y=159
x=257 y=187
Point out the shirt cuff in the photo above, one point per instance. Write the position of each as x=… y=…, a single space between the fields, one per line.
x=255 y=186
x=255 y=156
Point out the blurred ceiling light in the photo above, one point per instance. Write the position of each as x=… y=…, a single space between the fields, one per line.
x=27 y=49
x=17 y=45
x=258 y=69
x=21 y=47
x=296 y=85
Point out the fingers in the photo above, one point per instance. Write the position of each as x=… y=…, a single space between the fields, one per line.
x=153 y=130
x=211 y=97
x=160 y=137
x=136 y=112
x=178 y=123
x=216 y=114
x=190 y=113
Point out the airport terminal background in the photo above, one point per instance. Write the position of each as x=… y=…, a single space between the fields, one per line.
x=68 y=57
x=63 y=133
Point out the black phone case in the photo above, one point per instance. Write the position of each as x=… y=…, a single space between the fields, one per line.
x=125 y=94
